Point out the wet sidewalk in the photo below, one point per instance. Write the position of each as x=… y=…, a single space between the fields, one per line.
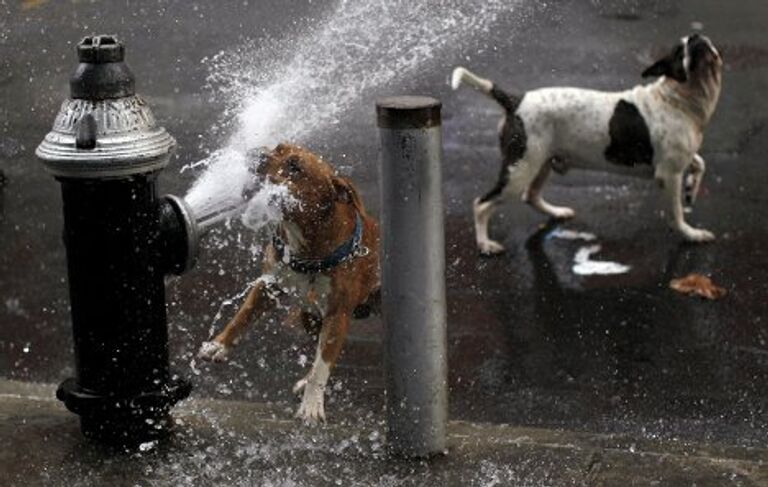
x=238 y=443
x=612 y=379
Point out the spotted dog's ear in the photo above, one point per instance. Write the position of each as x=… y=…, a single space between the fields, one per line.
x=671 y=66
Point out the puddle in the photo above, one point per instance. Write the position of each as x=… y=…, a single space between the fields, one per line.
x=566 y=234
x=585 y=266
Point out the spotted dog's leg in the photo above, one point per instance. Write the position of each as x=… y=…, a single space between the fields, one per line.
x=513 y=142
x=671 y=183
x=693 y=180
x=513 y=181
x=482 y=209
x=256 y=303
x=533 y=197
x=332 y=336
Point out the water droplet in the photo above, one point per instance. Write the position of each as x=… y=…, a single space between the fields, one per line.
x=147 y=446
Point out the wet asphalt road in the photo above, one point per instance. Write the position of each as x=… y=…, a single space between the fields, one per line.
x=530 y=342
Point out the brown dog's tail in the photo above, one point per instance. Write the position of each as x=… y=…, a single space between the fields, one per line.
x=464 y=76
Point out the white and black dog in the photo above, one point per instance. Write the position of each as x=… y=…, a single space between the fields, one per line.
x=653 y=130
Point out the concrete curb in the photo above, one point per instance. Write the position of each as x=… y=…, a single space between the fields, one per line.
x=240 y=443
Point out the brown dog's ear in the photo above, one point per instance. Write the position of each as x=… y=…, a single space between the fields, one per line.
x=670 y=66
x=282 y=148
x=342 y=188
x=346 y=193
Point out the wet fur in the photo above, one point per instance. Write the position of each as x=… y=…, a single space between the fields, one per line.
x=324 y=302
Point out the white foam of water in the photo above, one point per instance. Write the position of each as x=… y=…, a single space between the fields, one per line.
x=147 y=446
x=584 y=266
x=267 y=206
x=306 y=87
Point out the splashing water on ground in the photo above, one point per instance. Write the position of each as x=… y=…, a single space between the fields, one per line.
x=300 y=89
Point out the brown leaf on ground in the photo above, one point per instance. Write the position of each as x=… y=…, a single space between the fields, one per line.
x=698 y=285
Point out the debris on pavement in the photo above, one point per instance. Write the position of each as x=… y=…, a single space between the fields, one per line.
x=698 y=285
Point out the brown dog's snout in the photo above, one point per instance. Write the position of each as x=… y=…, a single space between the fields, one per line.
x=266 y=166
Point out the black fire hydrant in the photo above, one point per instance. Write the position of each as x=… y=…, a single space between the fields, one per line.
x=121 y=239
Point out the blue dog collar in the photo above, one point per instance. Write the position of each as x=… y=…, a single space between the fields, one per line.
x=350 y=249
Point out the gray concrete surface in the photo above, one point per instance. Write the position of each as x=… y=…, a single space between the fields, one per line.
x=245 y=443
x=531 y=344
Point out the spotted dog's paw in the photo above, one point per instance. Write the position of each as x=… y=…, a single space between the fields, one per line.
x=698 y=235
x=562 y=213
x=311 y=410
x=692 y=234
x=490 y=247
x=214 y=351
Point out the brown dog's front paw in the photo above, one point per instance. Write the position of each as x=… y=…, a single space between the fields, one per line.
x=214 y=351
x=300 y=385
x=312 y=408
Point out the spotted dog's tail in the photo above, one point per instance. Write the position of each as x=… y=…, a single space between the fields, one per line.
x=463 y=75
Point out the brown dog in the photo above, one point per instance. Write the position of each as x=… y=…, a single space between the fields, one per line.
x=324 y=255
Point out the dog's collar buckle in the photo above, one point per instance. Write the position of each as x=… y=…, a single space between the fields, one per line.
x=361 y=251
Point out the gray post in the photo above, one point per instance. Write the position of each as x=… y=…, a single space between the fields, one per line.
x=413 y=274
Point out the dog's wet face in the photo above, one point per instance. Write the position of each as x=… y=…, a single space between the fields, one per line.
x=309 y=180
x=692 y=58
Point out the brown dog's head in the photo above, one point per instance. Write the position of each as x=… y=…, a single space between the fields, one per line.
x=693 y=59
x=309 y=180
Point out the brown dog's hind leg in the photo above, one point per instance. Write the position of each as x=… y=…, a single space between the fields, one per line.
x=257 y=302
x=371 y=306
x=312 y=323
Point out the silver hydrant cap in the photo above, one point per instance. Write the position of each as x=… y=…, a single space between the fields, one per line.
x=104 y=130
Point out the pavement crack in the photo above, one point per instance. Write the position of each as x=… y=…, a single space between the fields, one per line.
x=593 y=468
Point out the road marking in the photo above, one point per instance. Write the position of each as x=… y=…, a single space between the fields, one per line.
x=30 y=4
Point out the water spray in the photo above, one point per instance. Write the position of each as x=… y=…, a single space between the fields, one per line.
x=121 y=239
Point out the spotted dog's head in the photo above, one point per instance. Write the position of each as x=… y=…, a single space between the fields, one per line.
x=694 y=58
x=310 y=181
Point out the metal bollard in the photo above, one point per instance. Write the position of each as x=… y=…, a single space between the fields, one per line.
x=413 y=274
x=121 y=239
